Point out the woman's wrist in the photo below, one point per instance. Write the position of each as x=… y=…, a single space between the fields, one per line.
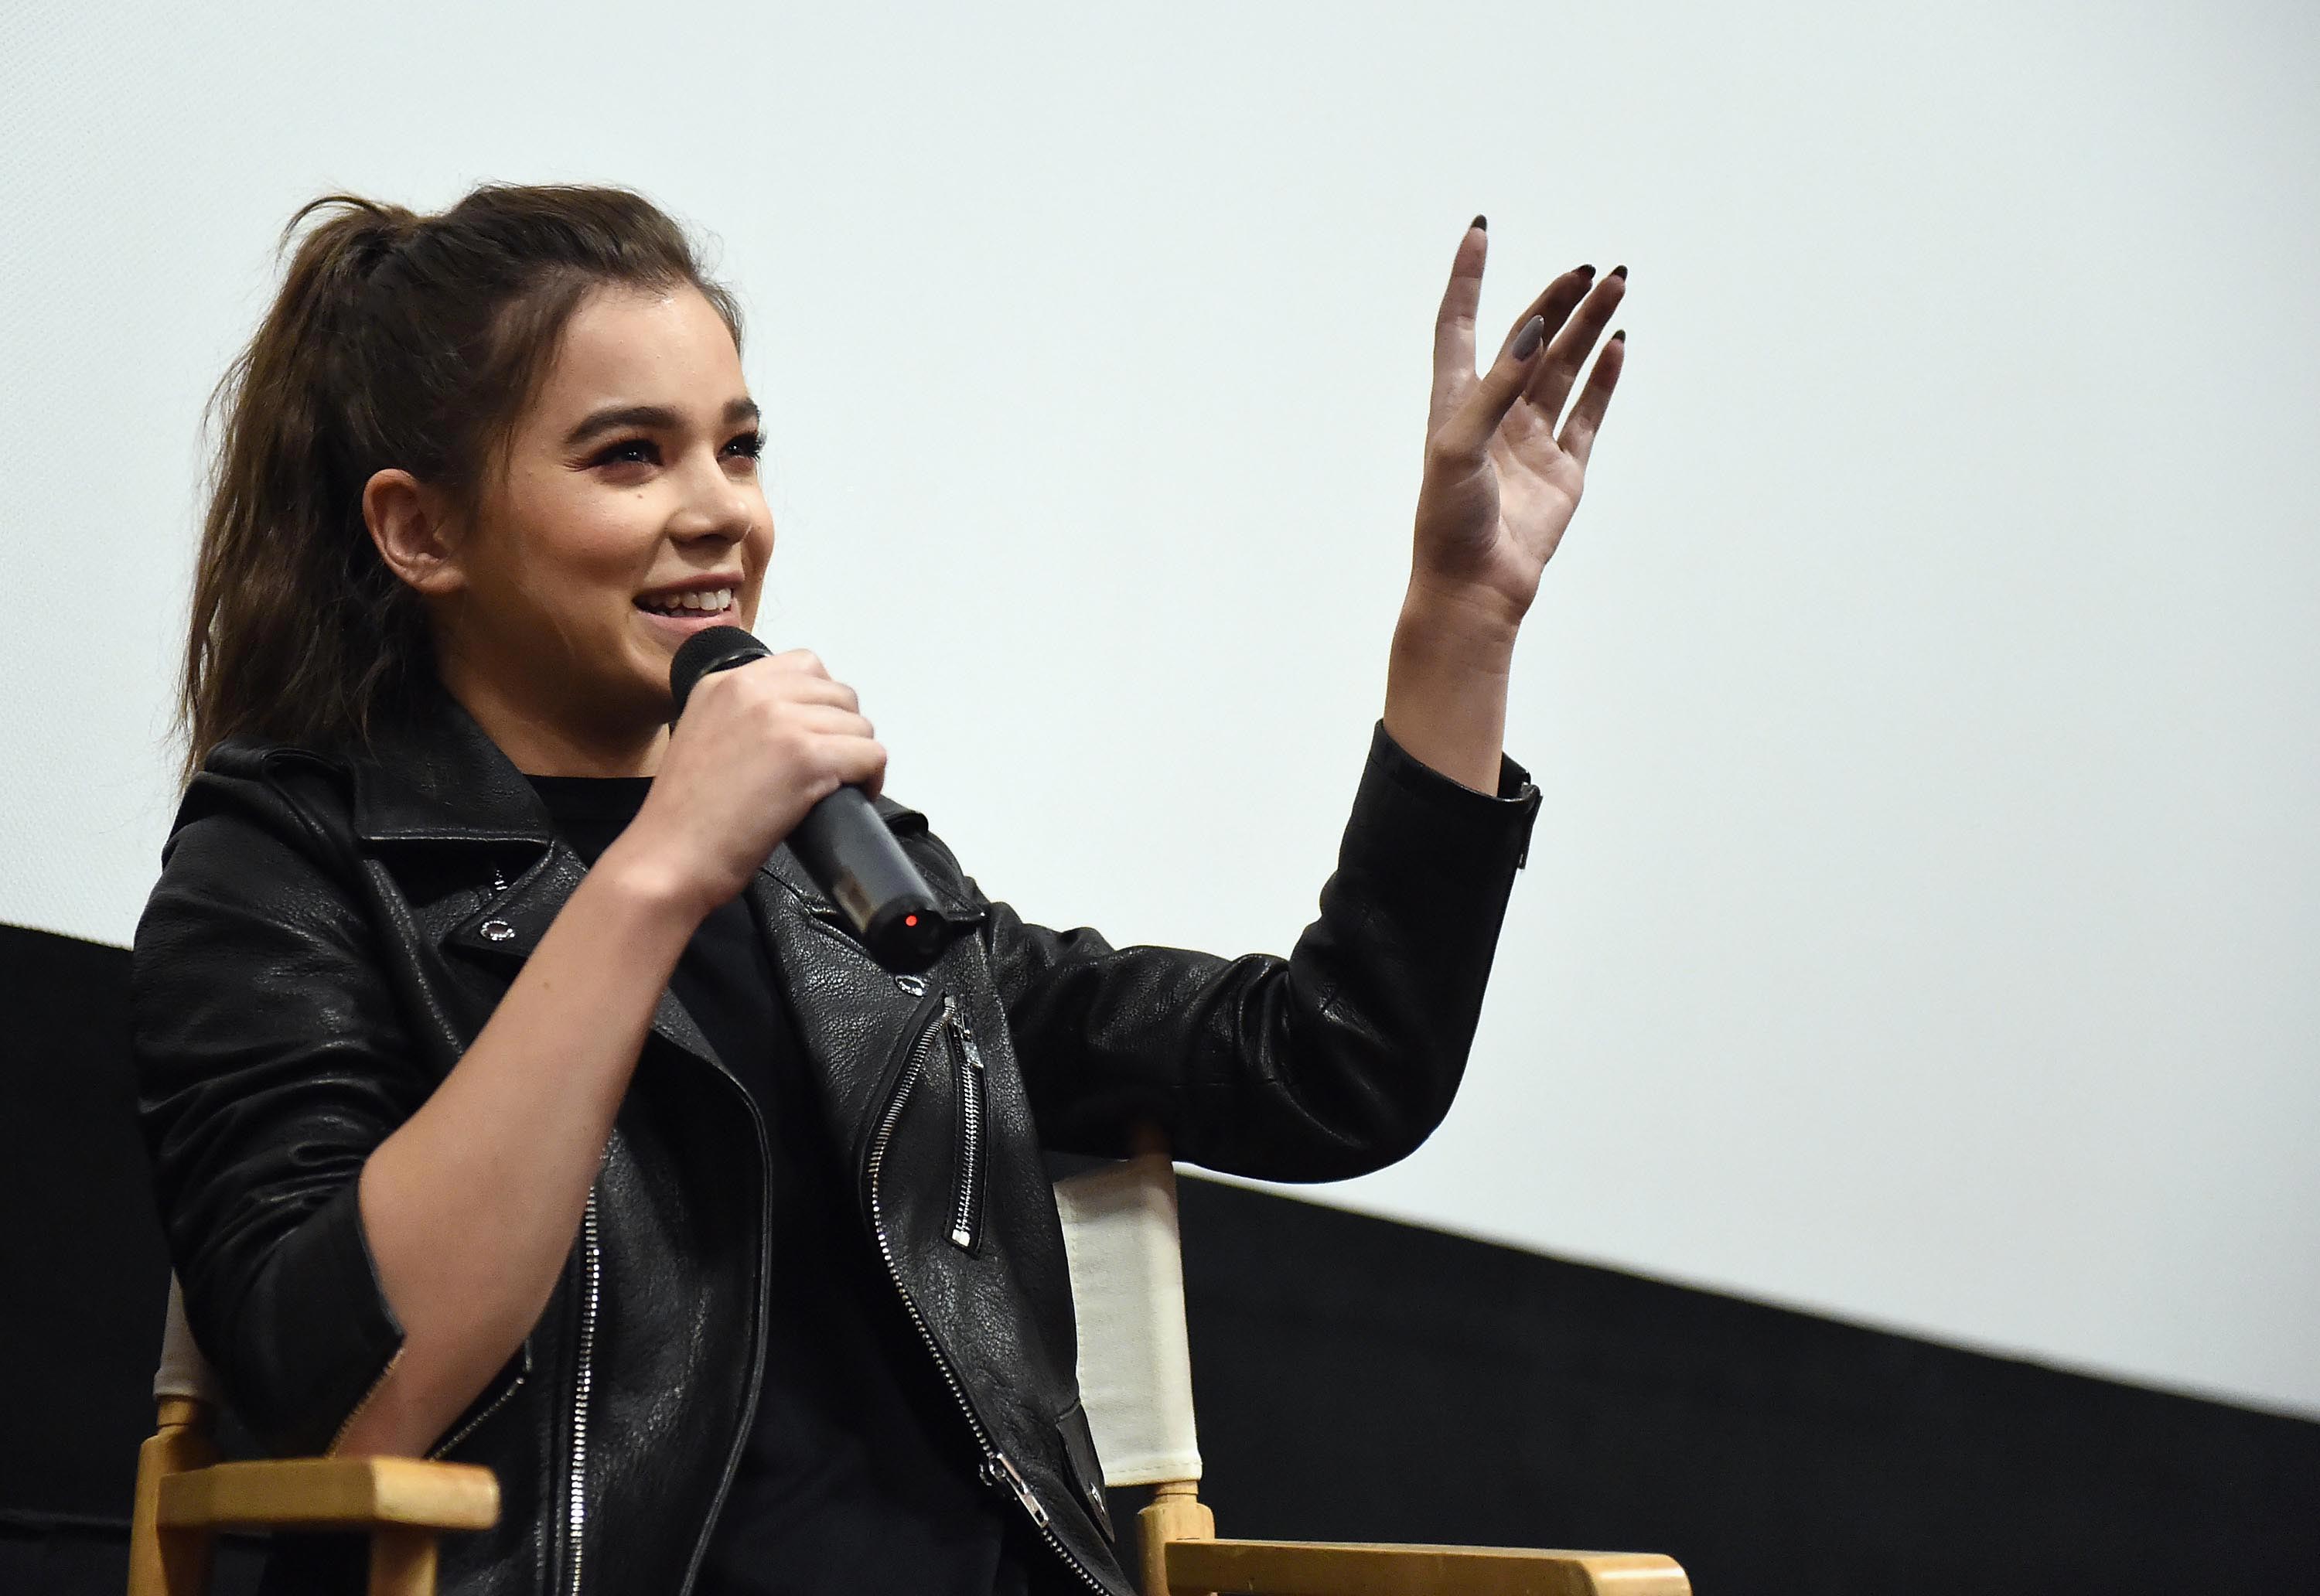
x=1477 y=621
x=647 y=888
x=1445 y=698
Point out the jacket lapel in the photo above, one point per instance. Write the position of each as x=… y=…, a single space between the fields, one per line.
x=438 y=780
x=850 y=1013
x=782 y=874
x=506 y=929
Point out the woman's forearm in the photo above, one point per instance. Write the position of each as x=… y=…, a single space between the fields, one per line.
x=471 y=1205
x=1446 y=686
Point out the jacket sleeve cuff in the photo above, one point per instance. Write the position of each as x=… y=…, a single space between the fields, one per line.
x=1449 y=825
x=327 y=1331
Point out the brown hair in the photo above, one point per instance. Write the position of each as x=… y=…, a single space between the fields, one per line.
x=397 y=340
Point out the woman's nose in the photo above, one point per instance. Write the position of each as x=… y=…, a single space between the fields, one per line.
x=714 y=505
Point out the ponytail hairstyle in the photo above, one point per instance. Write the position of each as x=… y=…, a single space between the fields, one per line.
x=397 y=340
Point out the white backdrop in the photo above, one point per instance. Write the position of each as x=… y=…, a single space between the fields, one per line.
x=1923 y=919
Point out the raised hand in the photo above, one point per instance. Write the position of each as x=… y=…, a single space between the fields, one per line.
x=1501 y=481
x=1500 y=486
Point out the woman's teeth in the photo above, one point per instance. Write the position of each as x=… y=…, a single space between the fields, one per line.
x=689 y=604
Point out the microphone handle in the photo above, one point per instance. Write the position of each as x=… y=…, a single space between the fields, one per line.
x=854 y=859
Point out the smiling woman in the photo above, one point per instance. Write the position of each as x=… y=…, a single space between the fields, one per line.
x=415 y=347
x=627 y=501
x=512 y=1094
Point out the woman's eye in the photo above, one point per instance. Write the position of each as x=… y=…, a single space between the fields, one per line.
x=641 y=451
x=747 y=446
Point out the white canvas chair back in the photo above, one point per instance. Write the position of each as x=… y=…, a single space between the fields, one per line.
x=1127 y=1291
x=183 y=1371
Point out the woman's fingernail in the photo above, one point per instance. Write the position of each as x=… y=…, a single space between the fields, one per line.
x=1584 y=271
x=1619 y=271
x=1527 y=341
x=1620 y=336
x=1480 y=223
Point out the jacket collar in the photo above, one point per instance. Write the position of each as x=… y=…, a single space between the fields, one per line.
x=436 y=777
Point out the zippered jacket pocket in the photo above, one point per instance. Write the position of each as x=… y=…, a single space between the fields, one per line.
x=969 y=1170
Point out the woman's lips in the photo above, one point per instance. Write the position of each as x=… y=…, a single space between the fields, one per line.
x=685 y=623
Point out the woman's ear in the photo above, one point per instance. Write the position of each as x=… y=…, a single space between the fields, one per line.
x=411 y=526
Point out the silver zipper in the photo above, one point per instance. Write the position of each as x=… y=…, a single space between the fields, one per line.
x=348 y=1423
x=576 y=1498
x=998 y=1468
x=468 y=1428
x=965 y=1214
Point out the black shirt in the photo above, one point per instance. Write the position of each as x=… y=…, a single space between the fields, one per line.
x=858 y=1474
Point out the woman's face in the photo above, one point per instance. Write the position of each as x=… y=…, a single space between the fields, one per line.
x=628 y=518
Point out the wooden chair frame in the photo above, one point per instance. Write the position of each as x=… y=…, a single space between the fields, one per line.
x=1179 y=1554
x=186 y=1496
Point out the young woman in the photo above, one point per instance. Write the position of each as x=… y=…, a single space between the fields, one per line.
x=514 y=1097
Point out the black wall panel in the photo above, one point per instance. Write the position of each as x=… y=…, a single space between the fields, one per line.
x=1357 y=1379
x=1361 y=1380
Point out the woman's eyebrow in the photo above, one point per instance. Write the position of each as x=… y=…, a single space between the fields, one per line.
x=653 y=417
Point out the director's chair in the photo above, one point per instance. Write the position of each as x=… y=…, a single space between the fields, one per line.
x=1135 y=1374
x=186 y=1496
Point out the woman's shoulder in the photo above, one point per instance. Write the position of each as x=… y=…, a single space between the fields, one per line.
x=271 y=830
x=426 y=772
x=248 y=788
x=262 y=828
x=931 y=853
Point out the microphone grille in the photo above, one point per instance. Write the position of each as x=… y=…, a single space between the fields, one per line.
x=720 y=648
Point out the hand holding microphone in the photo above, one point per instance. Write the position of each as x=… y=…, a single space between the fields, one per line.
x=779 y=751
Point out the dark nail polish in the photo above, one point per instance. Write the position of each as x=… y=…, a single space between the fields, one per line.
x=1620 y=336
x=1482 y=222
x=1585 y=271
x=1619 y=271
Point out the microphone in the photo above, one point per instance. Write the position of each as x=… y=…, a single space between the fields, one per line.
x=842 y=843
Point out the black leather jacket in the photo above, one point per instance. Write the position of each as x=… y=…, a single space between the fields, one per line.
x=329 y=934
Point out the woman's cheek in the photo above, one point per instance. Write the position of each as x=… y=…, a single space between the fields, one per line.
x=612 y=544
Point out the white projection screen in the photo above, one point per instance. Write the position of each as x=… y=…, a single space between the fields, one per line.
x=1923 y=921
